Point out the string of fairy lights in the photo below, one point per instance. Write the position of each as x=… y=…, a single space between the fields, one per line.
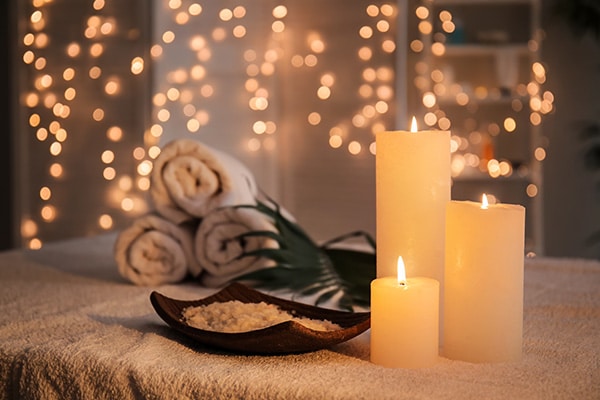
x=58 y=87
x=185 y=86
x=58 y=96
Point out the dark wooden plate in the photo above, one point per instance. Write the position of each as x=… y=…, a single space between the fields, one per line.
x=286 y=337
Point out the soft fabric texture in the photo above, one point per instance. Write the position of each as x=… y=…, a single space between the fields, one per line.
x=70 y=328
x=219 y=248
x=189 y=179
x=154 y=251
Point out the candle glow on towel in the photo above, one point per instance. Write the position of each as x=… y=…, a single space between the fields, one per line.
x=404 y=320
x=483 y=297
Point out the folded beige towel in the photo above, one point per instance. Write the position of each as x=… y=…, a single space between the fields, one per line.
x=155 y=251
x=219 y=247
x=189 y=179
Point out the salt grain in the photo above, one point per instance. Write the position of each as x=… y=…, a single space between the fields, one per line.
x=235 y=316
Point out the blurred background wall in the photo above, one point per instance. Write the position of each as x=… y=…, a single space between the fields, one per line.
x=295 y=89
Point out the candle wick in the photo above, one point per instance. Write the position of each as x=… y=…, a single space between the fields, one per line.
x=402 y=283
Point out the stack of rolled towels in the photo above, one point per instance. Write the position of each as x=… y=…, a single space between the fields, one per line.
x=195 y=228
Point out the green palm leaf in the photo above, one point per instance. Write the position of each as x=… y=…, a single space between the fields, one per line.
x=308 y=269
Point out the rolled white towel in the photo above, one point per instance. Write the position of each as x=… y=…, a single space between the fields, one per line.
x=155 y=251
x=219 y=247
x=189 y=179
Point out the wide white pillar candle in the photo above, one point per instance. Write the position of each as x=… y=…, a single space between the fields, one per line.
x=404 y=322
x=412 y=190
x=483 y=296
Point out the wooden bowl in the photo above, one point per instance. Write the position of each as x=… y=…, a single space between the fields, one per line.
x=285 y=337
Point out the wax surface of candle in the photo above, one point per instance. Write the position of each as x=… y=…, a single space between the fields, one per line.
x=483 y=296
x=412 y=189
x=404 y=322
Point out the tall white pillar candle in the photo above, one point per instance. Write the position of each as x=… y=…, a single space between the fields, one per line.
x=483 y=294
x=412 y=190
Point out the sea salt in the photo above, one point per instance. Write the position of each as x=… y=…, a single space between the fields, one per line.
x=235 y=316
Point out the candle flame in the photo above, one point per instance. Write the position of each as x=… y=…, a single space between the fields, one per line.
x=484 y=202
x=401 y=272
x=413 y=124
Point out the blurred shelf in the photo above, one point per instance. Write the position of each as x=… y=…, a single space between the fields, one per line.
x=483 y=49
x=481 y=2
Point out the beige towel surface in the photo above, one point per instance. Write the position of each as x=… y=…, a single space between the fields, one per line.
x=189 y=179
x=153 y=251
x=219 y=248
x=70 y=329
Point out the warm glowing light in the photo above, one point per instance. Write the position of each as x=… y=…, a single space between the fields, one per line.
x=28 y=57
x=323 y=92
x=195 y=9
x=225 y=14
x=105 y=221
x=163 y=115
x=156 y=130
x=354 y=148
x=425 y=27
x=127 y=204
x=28 y=228
x=34 y=120
x=139 y=153
x=317 y=45
x=278 y=26
x=35 y=244
x=137 y=65
x=335 y=141
x=484 y=202
x=383 y=26
x=239 y=31
x=532 y=190
x=365 y=32
x=382 y=107
x=438 y=49
x=55 y=148
x=429 y=99
x=387 y=10
x=98 y=114
x=254 y=144
x=280 y=11
x=41 y=134
x=107 y=156
x=56 y=170
x=192 y=125
x=182 y=18
x=401 y=271
x=143 y=183
x=144 y=168
x=388 y=46
x=109 y=173
x=98 y=5
x=358 y=120
x=48 y=213
x=114 y=133
x=239 y=12
x=96 y=50
x=112 y=86
x=422 y=12
x=168 y=37
x=540 y=154
x=314 y=118
x=413 y=125
x=510 y=124
x=95 y=72
x=70 y=93
x=310 y=60
x=45 y=193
